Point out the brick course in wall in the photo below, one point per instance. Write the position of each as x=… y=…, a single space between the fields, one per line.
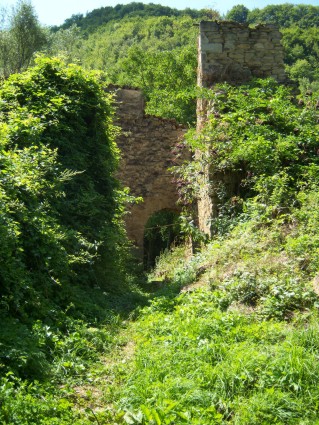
x=235 y=53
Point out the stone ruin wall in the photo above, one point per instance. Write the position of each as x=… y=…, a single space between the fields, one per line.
x=146 y=144
x=227 y=52
x=233 y=53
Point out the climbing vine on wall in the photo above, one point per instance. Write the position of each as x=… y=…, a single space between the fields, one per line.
x=260 y=142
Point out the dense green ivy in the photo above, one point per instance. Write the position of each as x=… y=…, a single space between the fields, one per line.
x=260 y=129
x=260 y=143
x=60 y=204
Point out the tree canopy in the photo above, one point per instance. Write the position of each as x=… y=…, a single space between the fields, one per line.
x=238 y=13
x=98 y=17
x=21 y=35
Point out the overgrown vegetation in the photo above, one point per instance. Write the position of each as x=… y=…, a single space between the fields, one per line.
x=61 y=203
x=197 y=364
x=80 y=343
x=260 y=144
x=63 y=247
x=238 y=350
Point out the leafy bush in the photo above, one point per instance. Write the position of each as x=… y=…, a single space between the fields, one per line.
x=60 y=203
x=60 y=221
x=259 y=141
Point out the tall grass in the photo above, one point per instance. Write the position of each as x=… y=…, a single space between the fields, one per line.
x=213 y=366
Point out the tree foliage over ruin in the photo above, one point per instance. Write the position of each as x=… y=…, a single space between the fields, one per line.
x=137 y=49
x=154 y=48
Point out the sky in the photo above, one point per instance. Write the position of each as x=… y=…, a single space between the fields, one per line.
x=54 y=12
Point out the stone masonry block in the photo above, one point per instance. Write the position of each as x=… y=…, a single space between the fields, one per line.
x=208 y=26
x=243 y=46
x=212 y=47
x=214 y=37
x=229 y=45
x=204 y=38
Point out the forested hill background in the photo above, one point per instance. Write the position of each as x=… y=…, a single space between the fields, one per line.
x=284 y=15
x=97 y=17
x=154 y=47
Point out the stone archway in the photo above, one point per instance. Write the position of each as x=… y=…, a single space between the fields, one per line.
x=146 y=144
x=162 y=231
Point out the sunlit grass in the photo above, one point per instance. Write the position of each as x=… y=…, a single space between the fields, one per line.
x=221 y=367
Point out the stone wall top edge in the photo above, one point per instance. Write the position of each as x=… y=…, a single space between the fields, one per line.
x=160 y=120
x=115 y=87
x=209 y=25
x=166 y=120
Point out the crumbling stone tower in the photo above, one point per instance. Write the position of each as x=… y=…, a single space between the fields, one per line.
x=233 y=53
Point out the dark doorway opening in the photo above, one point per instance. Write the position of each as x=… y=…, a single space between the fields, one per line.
x=162 y=230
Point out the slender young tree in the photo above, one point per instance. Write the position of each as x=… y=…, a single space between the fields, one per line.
x=20 y=37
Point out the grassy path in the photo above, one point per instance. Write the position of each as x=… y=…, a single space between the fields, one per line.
x=187 y=360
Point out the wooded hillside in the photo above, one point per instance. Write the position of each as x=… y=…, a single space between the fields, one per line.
x=157 y=51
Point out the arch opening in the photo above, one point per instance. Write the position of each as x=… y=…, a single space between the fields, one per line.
x=162 y=231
